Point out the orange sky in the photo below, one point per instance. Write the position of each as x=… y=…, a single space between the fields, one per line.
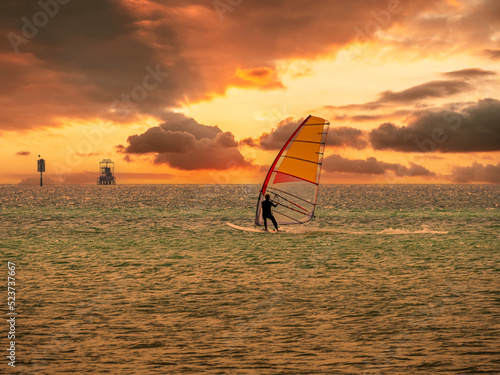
x=207 y=92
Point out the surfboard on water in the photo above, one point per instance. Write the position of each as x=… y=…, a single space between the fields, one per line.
x=293 y=179
x=249 y=229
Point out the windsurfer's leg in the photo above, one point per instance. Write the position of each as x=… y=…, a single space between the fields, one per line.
x=265 y=223
x=274 y=222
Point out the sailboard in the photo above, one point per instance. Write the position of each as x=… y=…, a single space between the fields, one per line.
x=293 y=179
x=247 y=229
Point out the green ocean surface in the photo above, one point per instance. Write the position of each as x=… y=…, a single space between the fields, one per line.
x=148 y=279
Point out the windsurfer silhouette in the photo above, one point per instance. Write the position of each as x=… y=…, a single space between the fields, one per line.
x=266 y=212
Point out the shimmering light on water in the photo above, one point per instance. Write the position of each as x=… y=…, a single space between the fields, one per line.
x=150 y=280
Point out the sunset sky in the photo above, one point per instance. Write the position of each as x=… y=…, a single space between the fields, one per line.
x=208 y=91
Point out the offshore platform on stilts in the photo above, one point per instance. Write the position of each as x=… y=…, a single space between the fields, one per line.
x=107 y=171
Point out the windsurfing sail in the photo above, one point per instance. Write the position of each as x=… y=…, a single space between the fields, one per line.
x=293 y=179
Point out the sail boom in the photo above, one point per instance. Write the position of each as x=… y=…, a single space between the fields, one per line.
x=295 y=204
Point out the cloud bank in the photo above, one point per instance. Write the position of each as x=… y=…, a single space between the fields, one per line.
x=183 y=143
x=477 y=173
x=336 y=163
x=341 y=136
x=474 y=129
x=90 y=54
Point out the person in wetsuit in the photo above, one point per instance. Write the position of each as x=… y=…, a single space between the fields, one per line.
x=266 y=212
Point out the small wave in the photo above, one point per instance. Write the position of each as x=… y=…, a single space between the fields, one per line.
x=406 y=231
x=312 y=231
x=320 y=231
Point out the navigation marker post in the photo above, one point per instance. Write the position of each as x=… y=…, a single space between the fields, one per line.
x=41 y=168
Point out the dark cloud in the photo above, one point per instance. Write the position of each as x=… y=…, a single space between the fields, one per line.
x=477 y=173
x=219 y=153
x=336 y=163
x=493 y=54
x=75 y=66
x=369 y=106
x=94 y=56
x=474 y=129
x=342 y=136
x=433 y=89
x=158 y=140
x=114 y=60
x=372 y=117
x=470 y=73
x=275 y=139
x=23 y=153
x=176 y=122
x=176 y=135
x=184 y=144
x=450 y=27
x=357 y=118
x=414 y=96
x=481 y=23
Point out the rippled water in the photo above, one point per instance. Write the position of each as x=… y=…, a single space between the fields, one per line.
x=150 y=280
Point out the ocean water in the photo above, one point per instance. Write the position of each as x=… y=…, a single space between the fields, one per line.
x=150 y=280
